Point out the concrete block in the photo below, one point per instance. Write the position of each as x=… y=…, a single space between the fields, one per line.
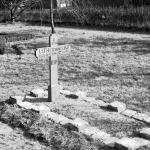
x=131 y=143
x=129 y=112
x=101 y=103
x=81 y=94
x=15 y=99
x=39 y=93
x=144 y=133
x=89 y=99
x=53 y=116
x=110 y=142
x=43 y=109
x=65 y=92
x=117 y=106
x=27 y=105
x=64 y=120
x=89 y=131
x=100 y=135
x=140 y=116
x=80 y=123
x=147 y=119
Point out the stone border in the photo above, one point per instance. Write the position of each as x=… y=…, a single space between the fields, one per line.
x=82 y=126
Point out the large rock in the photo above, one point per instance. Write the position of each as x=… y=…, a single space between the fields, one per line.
x=39 y=93
x=117 y=106
x=131 y=143
x=15 y=99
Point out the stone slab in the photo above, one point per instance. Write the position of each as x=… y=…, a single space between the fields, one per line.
x=129 y=112
x=131 y=143
x=117 y=106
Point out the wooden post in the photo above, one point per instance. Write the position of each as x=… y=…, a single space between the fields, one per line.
x=53 y=88
x=51 y=52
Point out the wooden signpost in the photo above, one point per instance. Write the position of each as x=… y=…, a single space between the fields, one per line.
x=51 y=52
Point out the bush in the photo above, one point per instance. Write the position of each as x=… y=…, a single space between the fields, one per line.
x=2 y=45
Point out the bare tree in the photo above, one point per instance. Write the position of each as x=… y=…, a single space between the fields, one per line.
x=51 y=17
x=17 y=7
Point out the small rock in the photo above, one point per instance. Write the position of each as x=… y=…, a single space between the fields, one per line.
x=40 y=93
x=15 y=99
x=73 y=96
x=129 y=112
x=117 y=106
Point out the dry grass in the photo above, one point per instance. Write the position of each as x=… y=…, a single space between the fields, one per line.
x=107 y=65
x=52 y=135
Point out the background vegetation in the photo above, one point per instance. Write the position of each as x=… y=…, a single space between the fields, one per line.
x=125 y=14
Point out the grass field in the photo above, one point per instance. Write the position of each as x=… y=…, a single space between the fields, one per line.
x=110 y=66
x=107 y=65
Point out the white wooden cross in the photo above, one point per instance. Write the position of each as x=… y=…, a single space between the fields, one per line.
x=51 y=52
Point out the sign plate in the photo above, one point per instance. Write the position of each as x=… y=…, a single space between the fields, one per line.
x=46 y=52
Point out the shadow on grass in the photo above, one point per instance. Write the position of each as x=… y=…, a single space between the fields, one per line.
x=140 y=47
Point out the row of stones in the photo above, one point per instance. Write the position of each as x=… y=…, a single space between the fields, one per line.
x=83 y=126
x=114 y=106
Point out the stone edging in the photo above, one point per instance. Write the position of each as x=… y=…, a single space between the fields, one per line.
x=82 y=126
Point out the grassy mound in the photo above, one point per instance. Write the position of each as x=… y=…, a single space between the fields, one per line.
x=53 y=135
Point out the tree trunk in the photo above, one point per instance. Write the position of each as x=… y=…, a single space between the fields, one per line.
x=51 y=17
